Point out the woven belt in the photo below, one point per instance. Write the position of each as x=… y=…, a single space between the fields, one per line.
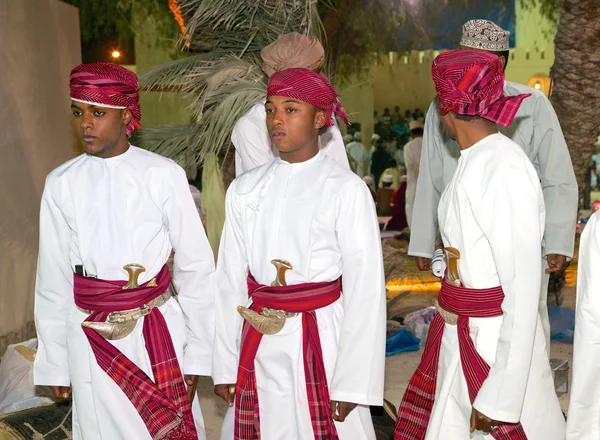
x=137 y=313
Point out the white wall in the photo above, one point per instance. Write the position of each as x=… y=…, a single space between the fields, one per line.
x=39 y=45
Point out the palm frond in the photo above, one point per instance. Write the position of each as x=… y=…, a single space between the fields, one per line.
x=173 y=74
x=225 y=81
x=210 y=79
x=171 y=141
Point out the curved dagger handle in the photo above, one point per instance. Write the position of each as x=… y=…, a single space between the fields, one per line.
x=134 y=271
x=452 y=257
x=282 y=266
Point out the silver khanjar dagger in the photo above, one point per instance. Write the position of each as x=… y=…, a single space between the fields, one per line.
x=452 y=257
x=114 y=330
x=268 y=321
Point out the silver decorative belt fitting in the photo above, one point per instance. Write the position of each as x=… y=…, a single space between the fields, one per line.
x=120 y=324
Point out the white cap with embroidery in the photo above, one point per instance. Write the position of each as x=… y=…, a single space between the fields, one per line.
x=484 y=35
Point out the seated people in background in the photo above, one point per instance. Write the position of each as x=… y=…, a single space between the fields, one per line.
x=398 y=221
x=384 y=195
x=394 y=172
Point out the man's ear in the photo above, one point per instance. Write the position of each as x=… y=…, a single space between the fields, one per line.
x=503 y=60
x=320 y=119
x=126 y=116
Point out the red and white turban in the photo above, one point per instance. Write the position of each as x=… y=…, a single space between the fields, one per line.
x=472 y=83
x=108 y=85
x=310 y=87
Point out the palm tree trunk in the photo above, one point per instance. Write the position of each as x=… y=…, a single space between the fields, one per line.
x=576 y=80
x=333 y=15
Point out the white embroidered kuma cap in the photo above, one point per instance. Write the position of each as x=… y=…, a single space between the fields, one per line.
x=484 y=35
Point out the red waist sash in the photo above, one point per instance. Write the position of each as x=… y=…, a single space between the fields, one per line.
x=417 y=403
x=300 y=298
x=162 y=404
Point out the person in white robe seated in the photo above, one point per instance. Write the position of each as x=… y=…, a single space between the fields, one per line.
x=300 y=306
x=484 y=373
x=583 y=421
x=110 y=330
x=253 y=145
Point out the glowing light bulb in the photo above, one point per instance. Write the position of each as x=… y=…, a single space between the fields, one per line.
x=116 y=54
x=537 y=85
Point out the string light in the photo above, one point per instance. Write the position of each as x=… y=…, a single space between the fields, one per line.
x=176 y=10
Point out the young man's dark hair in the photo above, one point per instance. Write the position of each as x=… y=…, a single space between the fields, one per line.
x=504 y=55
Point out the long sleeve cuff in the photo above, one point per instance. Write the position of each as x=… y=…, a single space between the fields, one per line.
x=420 y=254
x=358 y=398
x=567 y=254
x=41 y=379
x=224 y=379
x=502 y=416
x=196 y=363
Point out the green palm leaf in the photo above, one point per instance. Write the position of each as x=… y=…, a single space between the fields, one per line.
x=225 y=80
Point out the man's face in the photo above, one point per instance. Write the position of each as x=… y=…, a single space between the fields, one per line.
x=448 y=121
x=100 y=128
x=293 y=125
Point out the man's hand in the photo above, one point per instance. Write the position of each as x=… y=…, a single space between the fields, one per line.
x=61 y=393
x=556 y=263
x=480 y=422
x=226 y=391
x=340 y=410
x=423 y=263
x=192 y=383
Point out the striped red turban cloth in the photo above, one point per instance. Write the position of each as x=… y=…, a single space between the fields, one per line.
x=472 y=83
x=310 y=87
x=108 y=85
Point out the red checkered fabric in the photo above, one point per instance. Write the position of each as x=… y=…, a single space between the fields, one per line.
x=471 y=83
x=109 y=85
x=418 y=400
x=308 y=86
x=163 y=404
x=300 y=298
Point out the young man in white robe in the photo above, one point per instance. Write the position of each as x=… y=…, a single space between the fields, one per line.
x=253 y=145
x=537 y=130
x=102 y=212
x=583 y=419
x=307 y=360
x=484 y=373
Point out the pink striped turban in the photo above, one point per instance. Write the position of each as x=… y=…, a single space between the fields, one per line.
x=108 y=85
x=472 y=83
x=310 y=87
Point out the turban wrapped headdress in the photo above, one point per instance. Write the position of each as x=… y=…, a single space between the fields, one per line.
x=107 y=85
x=292 y=50
x=310 y=87
x=471 y=83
